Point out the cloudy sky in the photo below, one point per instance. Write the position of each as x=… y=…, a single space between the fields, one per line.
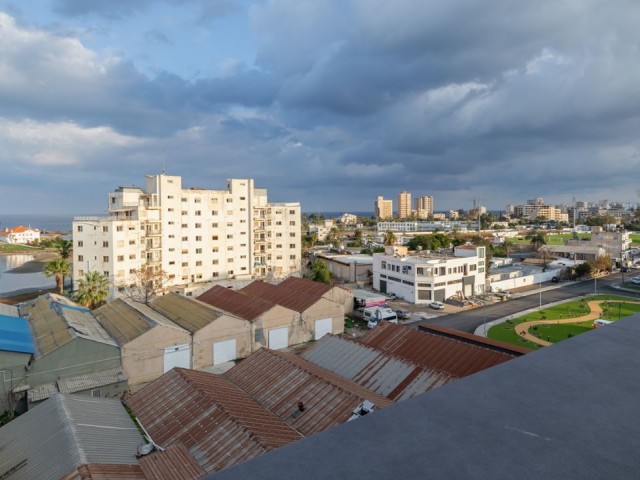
x=326 y=102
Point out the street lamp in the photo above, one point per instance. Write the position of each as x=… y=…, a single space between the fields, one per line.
x=540 y=294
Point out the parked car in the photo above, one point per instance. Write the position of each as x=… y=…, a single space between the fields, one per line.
x=403 y=314
x=503 y=295
x=437 y=305
x=374 y=314
x=392 y=296
x=635 y=280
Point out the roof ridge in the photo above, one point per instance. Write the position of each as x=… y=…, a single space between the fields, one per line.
x=234 y=418
x=333 y=376
x=72 y=426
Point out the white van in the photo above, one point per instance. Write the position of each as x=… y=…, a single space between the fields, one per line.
x=374 y=314
x=601 y=323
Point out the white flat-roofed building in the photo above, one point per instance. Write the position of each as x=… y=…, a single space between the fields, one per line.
x=424 y=226
x=194 y=235
x=427 y=277
x=20 y=234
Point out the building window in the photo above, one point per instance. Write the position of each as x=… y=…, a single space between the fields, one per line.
x=105 y=259
x=80 y=243
x=197 y=200
x=105 y=229
x=171 y=222
x=199 y=263
x=214 y=262
x=292 y=212
x=229 y=248
x=198 y=238
x=80 y=258
x=292 y=257
x=184 y=239
x=121 y=258
x=132 y=256
x=214 y=225
x=292 y=245
x=292 y=234
x=119 y=228
x=198 y=213
x=214 y=249
x=79 y=228
x=198 y=225
x=185 y=264
x=96 y=392
x=198 y=250
x=214 y=275
x=292 y=223
x=214 y=212
x=214 y=237
x=170 y=209
x=106 y=273
x=184 y=212
x=230 y=236
x=105 y=244
x=184 y=225
x=81 y=272
x=172 y=262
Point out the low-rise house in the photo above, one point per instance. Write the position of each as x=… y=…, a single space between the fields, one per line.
x=20 y=234
x=217 y=336
x=150 y=344
x=70 y=344
x=320 y=307
x=424 y=277
x=72 y=438
x=270 y=325
x=348 y=268
x=16 y=351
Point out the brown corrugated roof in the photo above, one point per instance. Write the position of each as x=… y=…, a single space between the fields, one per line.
x=507 y=348
x=454 y=356
x=106 y=472
x=240 y=304
x=218 y=423
x=175 y=463
x=279 y=380
x=295 y=293
x=187 y=313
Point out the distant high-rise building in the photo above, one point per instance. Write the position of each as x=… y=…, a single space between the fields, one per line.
x=424 y=206
x=404 y=204
x=383 y=208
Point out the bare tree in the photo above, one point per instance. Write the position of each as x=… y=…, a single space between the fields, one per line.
x=144 y=284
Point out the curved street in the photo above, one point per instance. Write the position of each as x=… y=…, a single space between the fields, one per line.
x=471 y=319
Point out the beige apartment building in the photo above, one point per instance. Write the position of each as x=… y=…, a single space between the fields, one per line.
x=194 y=235
x=404 y=204
x=424 y=207
x=383 y=208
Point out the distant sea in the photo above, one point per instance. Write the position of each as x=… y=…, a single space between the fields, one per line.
x=339 y=214
x=43 y=222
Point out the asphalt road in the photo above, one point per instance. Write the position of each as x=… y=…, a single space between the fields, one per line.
x=470 y=320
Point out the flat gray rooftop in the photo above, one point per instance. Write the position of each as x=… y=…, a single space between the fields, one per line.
x=569 y=411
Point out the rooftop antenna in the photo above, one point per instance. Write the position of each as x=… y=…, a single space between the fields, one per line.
x=164 y=161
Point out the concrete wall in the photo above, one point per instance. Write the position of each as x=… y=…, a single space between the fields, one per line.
x=12 y=374
x=323 y=308
x=143 y=357
x=511 y=283
x=222 y=328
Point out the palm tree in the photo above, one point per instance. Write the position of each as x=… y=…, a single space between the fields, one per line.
x=389 y=238
x=536 y=239
x=64 y=247
x=57 y=268
x=93 y=290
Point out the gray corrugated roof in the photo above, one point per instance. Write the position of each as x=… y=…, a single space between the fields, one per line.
x=188 y=313
x=65 y=432
x=92 y=380
x=379 y=371
x=42 y=392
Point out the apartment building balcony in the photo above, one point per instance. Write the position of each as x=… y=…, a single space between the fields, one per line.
x=151 y=201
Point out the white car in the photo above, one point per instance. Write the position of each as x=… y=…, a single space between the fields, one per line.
x=502 y=294
x=635 y=280
x=437 y=305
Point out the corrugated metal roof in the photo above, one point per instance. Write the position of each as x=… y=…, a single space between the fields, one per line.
x=9 y=310
x=457 y=358
x=279 y=380
x=106 y=472
x=374 y=369
x=175 y=463
x=187 y=313
x=121 y=321
x=57 y=436
x=92 y=380
x=55 y=320
x=295 y=293
x=218 y=423
x=15 y=335
x=240 y=304
x=507 y=348
x=42 y=392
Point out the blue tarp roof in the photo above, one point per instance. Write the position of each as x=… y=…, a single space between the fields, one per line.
x=15 y=335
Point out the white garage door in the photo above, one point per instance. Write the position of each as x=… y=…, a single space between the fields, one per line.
x=322 y=328
x=279 y=338
x=177 y=356
x=224 y=351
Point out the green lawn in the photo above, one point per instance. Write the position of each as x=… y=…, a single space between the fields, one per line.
x=555 y=333
x=12 y=248
x=635 y=239
x=555 y=239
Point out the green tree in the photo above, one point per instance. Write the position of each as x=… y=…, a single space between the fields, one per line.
x=536 y=239
x=584 y=269
x=320 y=272
x=93 y=290
x=333 y=237
x=603 y=263
x=64 y=247
x=357 y=236
x=389 y=238
x=57 y=268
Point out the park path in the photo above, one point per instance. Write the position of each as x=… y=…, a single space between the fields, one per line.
x=595 y=313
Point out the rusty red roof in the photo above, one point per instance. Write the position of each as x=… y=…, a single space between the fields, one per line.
x=106 y=472
x=295 y=293
x=456 y=357
x=279 y=380
x=217 y=422
x=497 y=345
x=175 y=463
x=244 y=306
